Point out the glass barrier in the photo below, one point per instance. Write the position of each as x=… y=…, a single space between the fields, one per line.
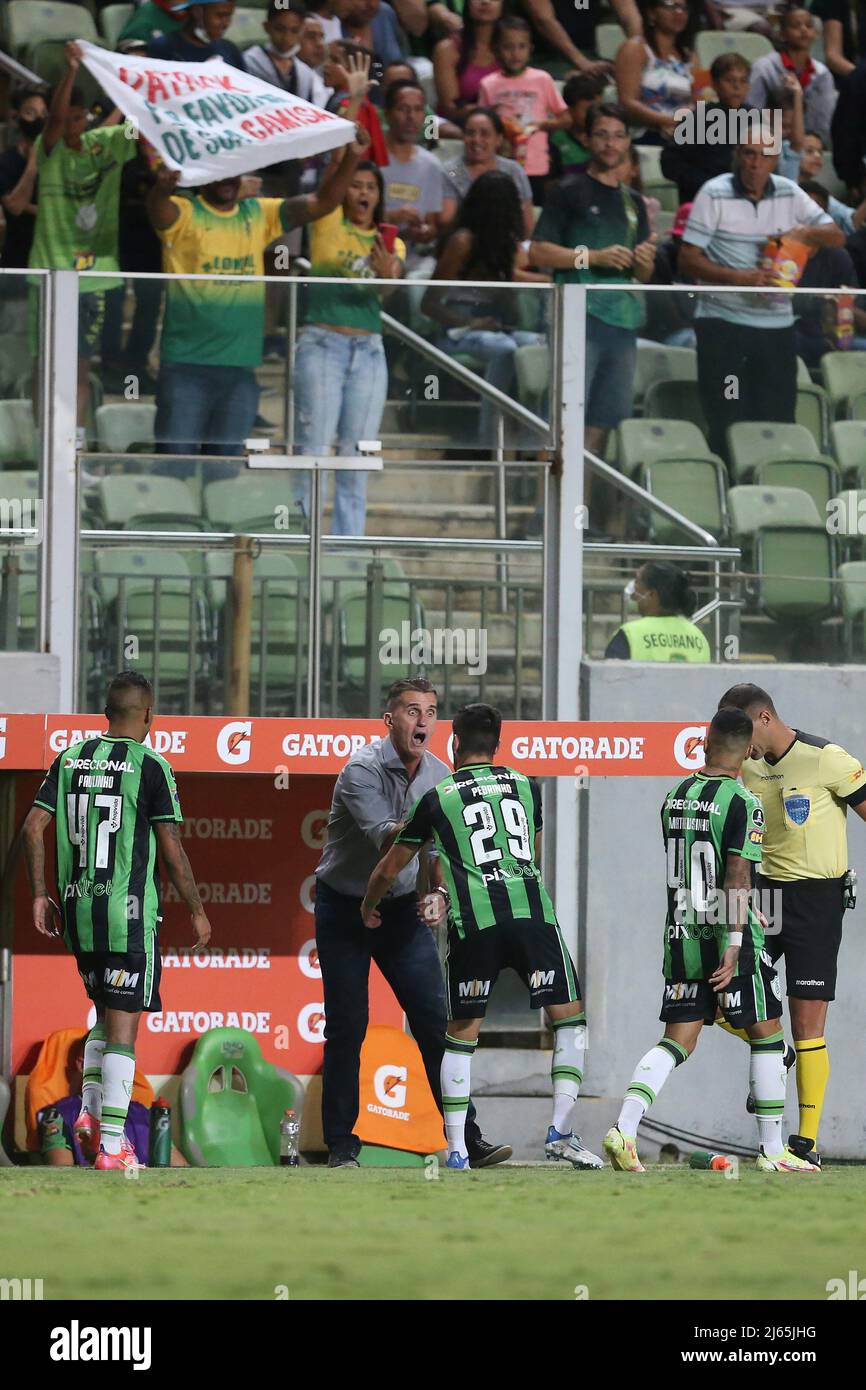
x=22 y=493
x=743 y=415
x=202 y=363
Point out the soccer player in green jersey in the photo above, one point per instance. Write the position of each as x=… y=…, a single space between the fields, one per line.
x=115 y=803
x=485 y=821
x=714 y=946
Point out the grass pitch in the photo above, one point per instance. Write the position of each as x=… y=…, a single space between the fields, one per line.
x=506 y=1233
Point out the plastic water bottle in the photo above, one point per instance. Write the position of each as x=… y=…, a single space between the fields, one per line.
x=160 y=1134
x=702 y=1159
x=289 y=1156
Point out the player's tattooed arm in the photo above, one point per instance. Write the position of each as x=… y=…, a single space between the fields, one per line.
x=32 y=836
x=182 y=877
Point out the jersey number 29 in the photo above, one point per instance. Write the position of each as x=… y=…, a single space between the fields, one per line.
x=516 y=825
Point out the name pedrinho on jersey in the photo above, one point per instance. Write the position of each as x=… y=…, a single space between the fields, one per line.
x=106 y=794
x=483 y=820
x=704 y=819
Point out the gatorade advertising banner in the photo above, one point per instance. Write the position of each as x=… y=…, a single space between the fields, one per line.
x=282 y=747
x=253 y=849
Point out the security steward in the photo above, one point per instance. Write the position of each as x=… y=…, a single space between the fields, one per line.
x=663 y=632
x=806 y=785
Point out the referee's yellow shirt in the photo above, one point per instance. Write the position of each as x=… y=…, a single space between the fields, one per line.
x=806 y=794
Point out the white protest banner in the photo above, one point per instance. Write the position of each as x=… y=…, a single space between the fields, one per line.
x=209 y=120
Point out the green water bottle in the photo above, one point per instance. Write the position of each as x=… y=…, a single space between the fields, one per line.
x=701 y=1158
x=160 y=1134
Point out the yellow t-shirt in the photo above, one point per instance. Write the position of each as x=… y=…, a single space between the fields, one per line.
x=210 y=324
x=340 y=249
x=805 y=795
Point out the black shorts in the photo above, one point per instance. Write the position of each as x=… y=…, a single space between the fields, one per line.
x=125 y=980
x=748 y=999
x=535 y=950
x=810 y=936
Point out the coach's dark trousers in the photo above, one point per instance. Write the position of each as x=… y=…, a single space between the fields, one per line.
x=744 y=374
x=405 y=952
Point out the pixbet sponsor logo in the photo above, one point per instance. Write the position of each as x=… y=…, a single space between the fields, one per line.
x=311 y=1023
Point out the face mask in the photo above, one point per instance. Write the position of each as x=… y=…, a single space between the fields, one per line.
x=289 y=53
x=30 y=129
x=202 y=35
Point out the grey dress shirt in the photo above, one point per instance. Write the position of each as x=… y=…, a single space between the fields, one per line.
x=372 y=795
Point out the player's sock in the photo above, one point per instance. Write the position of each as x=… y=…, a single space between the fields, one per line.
x=91 y=1091
x=454 y=1075
x=650 y=1074
x=118 y=1074
x=813 y=1073
x=767 y=1077
x=729 y=1028
x=566 y=1068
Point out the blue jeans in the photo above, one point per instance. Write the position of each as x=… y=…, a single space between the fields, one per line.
x=341 y=385
x=496 y=349
x=611 y=359
x=205 y=409
x=404 y=950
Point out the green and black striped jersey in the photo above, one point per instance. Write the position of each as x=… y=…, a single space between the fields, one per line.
x=105 y=795
x=704 y=819
x=483 y=820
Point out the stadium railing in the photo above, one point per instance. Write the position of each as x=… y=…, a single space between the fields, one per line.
x=504 y=507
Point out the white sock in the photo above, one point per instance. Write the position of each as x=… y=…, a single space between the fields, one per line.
x=118 y=1074
x=767 y=1079
x=91 y=1091
x=454 y=1074
x=567 y=1068
x=650 y=1074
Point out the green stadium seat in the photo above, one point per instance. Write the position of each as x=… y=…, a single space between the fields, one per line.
x=122 y=428
x=653 y=181
x=751 y=443
x=694 y=487
x=151 y=593
x=657 y=362
x=124 y=500
x=640 y=442
x=849 y=450
x=752 y=508
x=711 y=43
x=817 y=476
x=846 y=520
x=18 y=440
x=15 y=369
x=254 y=502
x=113 y=20
x=532 y=372
x=278 y=622
x=30 y=22
x=17 y=484
x=852 y=592
x=857 y=407
x=608 y=38
x=232 y=1101
x=795 y=569
x=844 y=378
x=246 y=27
x=675 y=400
x=48 y=60
x=804 y=376
x=812 y=410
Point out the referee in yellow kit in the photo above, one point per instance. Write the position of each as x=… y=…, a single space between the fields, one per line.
x=806 y=785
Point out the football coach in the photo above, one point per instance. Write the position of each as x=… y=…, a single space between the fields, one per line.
x=806 y=785
x=374 y=793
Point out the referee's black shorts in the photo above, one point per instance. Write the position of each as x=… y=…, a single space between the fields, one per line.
x=808 y=934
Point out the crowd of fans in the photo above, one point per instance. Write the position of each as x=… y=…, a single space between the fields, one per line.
x=545 y=184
